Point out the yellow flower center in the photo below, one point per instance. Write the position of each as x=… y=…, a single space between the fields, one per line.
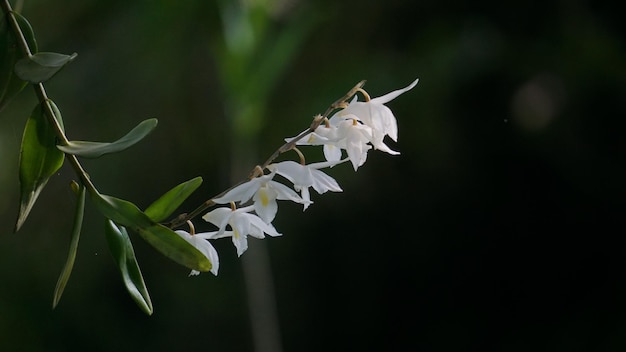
x=264 y=198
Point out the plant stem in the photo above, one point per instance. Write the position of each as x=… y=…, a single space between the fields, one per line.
x=258 y=169
x=43 y=98
x=8 y=11
x=84 y=177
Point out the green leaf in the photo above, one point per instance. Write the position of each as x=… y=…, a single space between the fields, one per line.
x=96 y=149
x=170 y=201
x=10 y=84
x=71 y=256
x=170 y=244
x=39 y=158
x=40 y=67
x=121 y=211
x=160 y=237
x=124 y=255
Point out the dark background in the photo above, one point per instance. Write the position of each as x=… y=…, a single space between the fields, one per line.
x=500 y=227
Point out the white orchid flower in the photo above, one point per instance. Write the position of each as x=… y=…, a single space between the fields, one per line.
x=342 y=133
x=205 y=247
x=242 y=224
x=305 y=176
x=377 y=116
x=264 y=192
x=354 y=138
x=357 y=128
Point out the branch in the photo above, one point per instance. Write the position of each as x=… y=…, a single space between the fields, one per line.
x=43 y=97
x=258 y=169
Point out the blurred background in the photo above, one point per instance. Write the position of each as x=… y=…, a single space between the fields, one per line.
x=500 y=227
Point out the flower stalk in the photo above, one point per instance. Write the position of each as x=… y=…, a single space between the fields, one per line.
x=347 y=131
x=291 y=144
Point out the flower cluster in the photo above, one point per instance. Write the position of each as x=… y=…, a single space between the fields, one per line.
x=356 y=128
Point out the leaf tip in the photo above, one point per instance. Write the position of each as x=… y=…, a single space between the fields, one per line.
x=25 y=208
x=18 y=225
x=55 y=302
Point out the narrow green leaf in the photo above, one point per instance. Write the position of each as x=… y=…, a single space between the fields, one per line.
x=121 y=211
x=170 y=201
x=170 y=244
x=39 y=159
x=160 y=237
x=124 y=255
x=96 y=149
x=10 y=84
x=71 y=256
x=40 y=67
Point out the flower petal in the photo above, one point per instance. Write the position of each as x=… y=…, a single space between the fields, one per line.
x=205 y=247
x=322 y=182
x=265 y=203
x=262 y=227
x=304 y=192
x=214 y=235
x=285 y=193
x=240 y=223
x=208 y=250
x=293 y=171
x=332 y=152
x=240 y=242
x=392 y=95
x=244 y=191
x=219 y=217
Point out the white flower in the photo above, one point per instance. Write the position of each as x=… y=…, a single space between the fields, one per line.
x=354 y=138
x=264 y=192
x=305 y=176
x=242 y=224
x=342 y=133
x=377 y=116
x=357 y=128
x=199 y=241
